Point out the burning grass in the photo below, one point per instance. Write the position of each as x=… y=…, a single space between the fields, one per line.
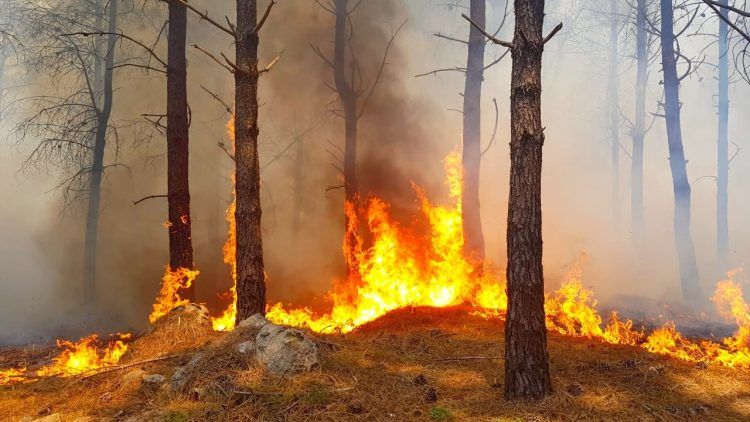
x=411 y=364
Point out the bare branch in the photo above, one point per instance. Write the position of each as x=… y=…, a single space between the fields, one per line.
x=506 y=44
x=214 y=58
x=552 y=34
x=262 y=21
x=205 y=17
x=148 y=197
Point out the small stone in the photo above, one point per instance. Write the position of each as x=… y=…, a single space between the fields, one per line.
x=420 y=380
x=134 y=376
x=574 y=389
x=430 y=394
x=256 y=322
x=154 y=379
x=246 y=347
x=356 y=407
x=285 y=351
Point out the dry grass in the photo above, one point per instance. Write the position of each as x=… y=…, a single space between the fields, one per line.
x=400 y=367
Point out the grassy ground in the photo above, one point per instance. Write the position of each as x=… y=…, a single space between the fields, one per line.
x=414 y=364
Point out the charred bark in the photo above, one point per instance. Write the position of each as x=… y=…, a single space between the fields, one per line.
x=178 y=187
x=251 y=285
x=722 y=179
x=639 y=129
x=348 y=98
x=691 y=291
x=97 y=163
x=472 y=125
x=526 y=360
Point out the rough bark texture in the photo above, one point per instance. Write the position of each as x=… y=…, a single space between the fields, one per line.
x=97 y=163
x=251 y=286
x=470 y=210
x=639 y=131
x=722 y=179
x=178 y=189
x=691 y=291
x=349 y=103
x=526 y=360
x=614 y=112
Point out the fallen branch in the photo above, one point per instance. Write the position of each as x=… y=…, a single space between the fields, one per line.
x=130 y=365
x=456 y=358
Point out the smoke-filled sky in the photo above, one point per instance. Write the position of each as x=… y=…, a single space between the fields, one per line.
x=409 y=126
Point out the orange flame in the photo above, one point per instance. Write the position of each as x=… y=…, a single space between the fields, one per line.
x=226 y=321
x=169 y=298
x=87 y=355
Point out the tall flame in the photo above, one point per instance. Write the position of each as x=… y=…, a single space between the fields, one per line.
x=169 y=298
x=226 y=321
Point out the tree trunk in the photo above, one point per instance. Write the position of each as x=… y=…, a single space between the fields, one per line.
x=691 y=291
x=300 y=160
x=251 y=285
x=614 y=113
x=178 y=188
x=639 y=131
x=472 y=140
x=97 y=163
x=722 y=179
x=526 y=361
x=349 y=103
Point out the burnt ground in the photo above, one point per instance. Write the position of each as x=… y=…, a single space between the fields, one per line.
x=413 y=364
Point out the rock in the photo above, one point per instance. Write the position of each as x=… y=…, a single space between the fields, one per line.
x=55 y=417
x=180 y=377
x=285 y=351
x=356 y=406
x=420 y=380
x=246 y=347
x=430 y=394
x=574 y=389
x=256 y=322
x=198 y=393
x=154 y=379
x=133 y=377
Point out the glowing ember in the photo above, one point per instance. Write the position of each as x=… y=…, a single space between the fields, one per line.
x=169 y=298
x=87 y=355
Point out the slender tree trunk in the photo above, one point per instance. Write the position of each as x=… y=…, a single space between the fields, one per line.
x=689 y=277
x=97 y=163
x=472 y=139
x=178 y=187
x=349 y=102
x=614 y=114
x=722 y=180
x=251 y=285
x=526 y=360
x=639 y=131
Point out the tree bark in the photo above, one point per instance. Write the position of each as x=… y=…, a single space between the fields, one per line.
x=614 y=112
x=349 y=103
x=526 y=361
x=251 y=286
x=639 y=131
x=472 y=147
x=178 y=187
x=689 y=277
x=722 y=179
x=97 y=163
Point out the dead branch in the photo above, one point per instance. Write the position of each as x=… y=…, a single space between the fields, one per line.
x=506 y=44
x=273 y=62
x=380 y=70
x=205 y=17
x=214 y=58
x=148 y=197
x=127 y=37
x=494 y=131
x=552 y=34
x=226 y=151
x=130 y=365
x=264 y=18
x=439 y=35
x=456 y=358
x=218 y=99
x=436 y=71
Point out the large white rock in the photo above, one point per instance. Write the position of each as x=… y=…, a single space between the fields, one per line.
x=285 y=351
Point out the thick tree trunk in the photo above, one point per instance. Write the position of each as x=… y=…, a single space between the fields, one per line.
x=349 y=103
x=689 y=277
x=178 y=188
x=472 y=147
x=526 y=361
x=97 y=163
x=639 y=131
x=722 y=179
x=614 y=113
x=251 y=285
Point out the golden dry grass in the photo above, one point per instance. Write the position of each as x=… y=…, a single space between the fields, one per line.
x=408 y=365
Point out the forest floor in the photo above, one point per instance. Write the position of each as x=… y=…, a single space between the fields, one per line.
x=413 y=364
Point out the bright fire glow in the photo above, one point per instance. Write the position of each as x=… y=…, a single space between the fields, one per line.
x=171 y=284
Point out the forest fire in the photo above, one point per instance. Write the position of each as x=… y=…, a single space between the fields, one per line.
x=87 y=355
x=169 y=298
